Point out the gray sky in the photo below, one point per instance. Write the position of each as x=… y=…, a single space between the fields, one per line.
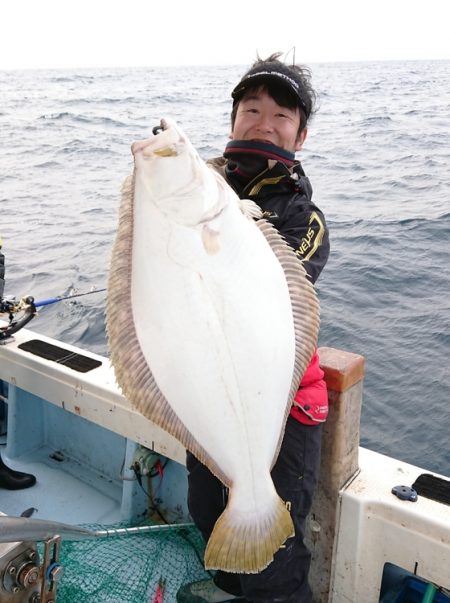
x=109 y=33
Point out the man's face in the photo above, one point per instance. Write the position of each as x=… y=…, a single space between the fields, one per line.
x=260 y=118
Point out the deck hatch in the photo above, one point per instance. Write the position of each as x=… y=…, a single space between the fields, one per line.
x=73 y=360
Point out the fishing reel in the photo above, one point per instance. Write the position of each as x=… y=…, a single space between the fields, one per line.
x=18 y=313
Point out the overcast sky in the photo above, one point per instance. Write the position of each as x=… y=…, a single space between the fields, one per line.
x=121 y=33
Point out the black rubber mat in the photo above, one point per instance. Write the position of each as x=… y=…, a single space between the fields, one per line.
x=433 y=487
x=77 y=362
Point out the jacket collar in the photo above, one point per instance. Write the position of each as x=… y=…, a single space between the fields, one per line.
x=247 y=150
x=270 y=172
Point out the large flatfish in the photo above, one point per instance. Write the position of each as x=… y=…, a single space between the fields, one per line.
x=211 y=323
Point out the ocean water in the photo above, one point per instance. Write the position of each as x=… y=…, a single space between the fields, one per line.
x=378 y=156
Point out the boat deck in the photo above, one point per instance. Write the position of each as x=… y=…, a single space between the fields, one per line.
x=60 y=494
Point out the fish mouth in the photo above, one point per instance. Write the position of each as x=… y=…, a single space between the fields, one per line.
x=167 y=145
x=172 y=148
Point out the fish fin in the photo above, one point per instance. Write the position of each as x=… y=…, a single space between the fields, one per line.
x=130 y=366
x=250 y=209
x=210 y=240
x=305 y=308
x=247 y=545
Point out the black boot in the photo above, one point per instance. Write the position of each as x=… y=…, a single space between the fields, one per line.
x=14 y=480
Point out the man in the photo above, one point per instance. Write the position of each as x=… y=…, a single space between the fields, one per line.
x=271 y=107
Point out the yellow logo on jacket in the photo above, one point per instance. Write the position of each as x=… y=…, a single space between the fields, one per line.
x=313 y=238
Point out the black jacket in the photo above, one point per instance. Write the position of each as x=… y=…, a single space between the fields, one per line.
x=284 y=195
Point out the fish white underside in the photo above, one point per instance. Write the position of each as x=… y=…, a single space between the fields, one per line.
x=223 y=323
x=218 y=334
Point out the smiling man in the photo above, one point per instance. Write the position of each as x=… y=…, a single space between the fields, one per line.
x=260 y=118
x=271 y=107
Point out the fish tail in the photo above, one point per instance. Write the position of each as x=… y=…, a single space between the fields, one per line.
x=238 y=544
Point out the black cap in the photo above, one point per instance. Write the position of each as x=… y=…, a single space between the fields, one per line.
x=279 y=75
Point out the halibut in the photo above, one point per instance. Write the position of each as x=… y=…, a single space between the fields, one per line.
x=211 y=322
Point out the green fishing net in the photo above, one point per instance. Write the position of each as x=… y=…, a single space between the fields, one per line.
x=128 y=569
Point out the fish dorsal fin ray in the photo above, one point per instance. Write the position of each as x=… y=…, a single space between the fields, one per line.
x=250 y=209
x=131 y=369
x=305 y=307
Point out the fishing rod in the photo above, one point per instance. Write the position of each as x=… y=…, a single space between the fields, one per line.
x=58 y=298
